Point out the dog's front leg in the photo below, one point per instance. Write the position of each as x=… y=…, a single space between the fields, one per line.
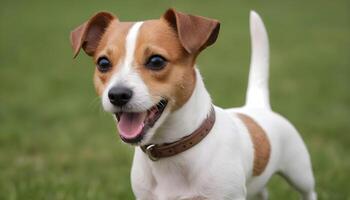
x=142 y=181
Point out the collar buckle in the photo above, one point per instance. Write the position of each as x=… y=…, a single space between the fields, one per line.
x=149 y=151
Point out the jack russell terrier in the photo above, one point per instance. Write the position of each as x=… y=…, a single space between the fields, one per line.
x=187 y=148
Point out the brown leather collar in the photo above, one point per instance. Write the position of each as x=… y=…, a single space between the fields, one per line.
x=155 y=151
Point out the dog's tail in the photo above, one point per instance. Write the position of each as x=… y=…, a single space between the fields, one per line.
x=258 y=91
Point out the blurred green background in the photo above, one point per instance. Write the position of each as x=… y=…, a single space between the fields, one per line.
x=57 y=143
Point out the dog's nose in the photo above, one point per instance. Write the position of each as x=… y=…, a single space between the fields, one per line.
x=119 y=96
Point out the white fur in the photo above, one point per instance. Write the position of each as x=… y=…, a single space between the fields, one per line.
x=257 y=92
x=183 y=120
x=220 y=166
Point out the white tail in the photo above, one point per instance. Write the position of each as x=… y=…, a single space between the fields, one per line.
x=258 y=91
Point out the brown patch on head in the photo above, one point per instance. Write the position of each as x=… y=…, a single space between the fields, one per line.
x=176 y=36
x=176 y=80
x=111 y=46
x=261 y=144
x=179 y=38
x=195 y=32
x=101 y=36
x=88 y=35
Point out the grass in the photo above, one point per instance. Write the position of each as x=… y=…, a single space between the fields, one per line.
x=57 y=143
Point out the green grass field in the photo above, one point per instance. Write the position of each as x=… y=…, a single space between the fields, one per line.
x=57 y=143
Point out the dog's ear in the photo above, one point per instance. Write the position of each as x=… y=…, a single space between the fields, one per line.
x=89 y=34
x=195 y=32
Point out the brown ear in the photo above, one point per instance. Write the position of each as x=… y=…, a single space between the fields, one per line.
x=195 y=32
x=88 y=35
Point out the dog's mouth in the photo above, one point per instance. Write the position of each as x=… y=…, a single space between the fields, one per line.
x=132 y=126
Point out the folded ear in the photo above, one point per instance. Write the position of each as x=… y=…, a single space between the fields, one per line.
x=195 y=32
x=89 y=34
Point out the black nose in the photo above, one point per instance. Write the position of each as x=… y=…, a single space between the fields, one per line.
x=119 y=96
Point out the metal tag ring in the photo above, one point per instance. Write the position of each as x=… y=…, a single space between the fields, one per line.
x=149 y=152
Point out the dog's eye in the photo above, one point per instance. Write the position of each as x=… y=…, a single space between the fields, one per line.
x=103 y=64
x=156 y=62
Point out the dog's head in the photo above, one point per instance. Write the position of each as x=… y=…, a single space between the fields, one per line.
x=144 y=70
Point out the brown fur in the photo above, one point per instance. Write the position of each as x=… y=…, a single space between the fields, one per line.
x=173 y=36
x=175 y=82
x=88 y=35
x=195 y=32
x=112 y=46
x=262 y=147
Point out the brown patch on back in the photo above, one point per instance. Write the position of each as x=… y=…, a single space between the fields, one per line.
x=177 y=80
x=262 y=147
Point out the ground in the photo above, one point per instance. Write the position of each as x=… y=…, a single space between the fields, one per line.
x=57 y=143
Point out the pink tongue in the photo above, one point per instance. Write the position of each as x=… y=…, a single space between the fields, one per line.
x=130 y=124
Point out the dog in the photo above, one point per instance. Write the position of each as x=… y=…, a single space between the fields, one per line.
x=185 y=147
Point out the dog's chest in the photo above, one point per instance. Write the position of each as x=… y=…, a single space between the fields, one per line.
x=202 y=172
x=191 y=186
x=176 y=183
x=194 y=183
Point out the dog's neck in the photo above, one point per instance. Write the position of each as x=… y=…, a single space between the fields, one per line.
x=186 y=119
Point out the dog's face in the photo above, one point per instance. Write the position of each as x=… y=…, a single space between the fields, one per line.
x=144 y=70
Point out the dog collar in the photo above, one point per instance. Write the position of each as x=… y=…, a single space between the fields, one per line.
x=156 y=151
